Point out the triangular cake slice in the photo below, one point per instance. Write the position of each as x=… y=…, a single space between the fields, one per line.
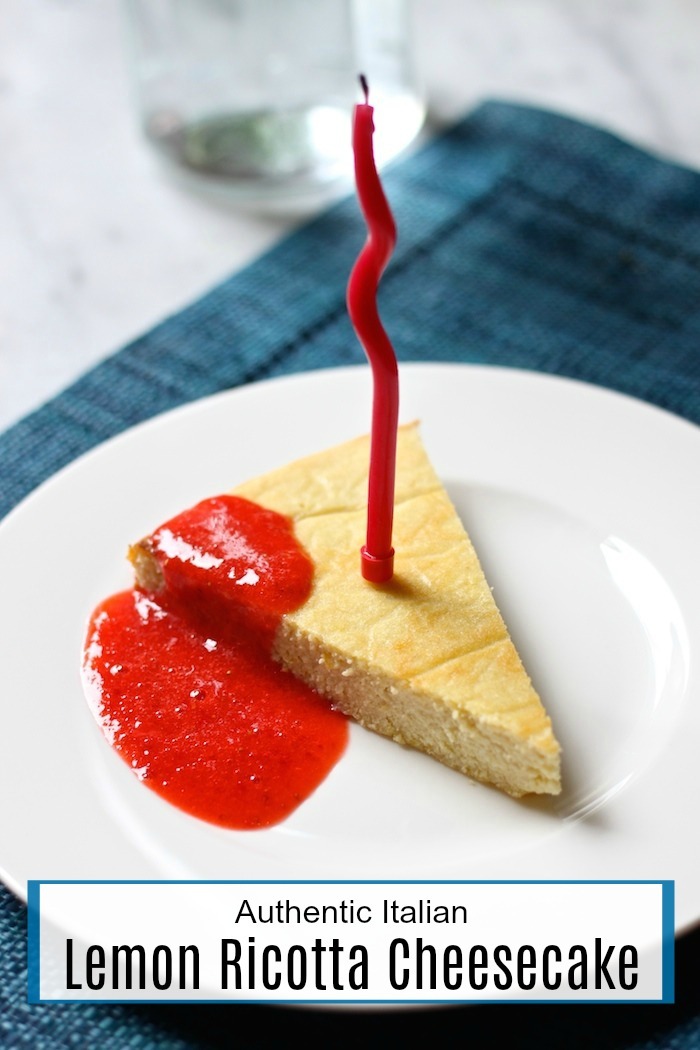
x=425 y=659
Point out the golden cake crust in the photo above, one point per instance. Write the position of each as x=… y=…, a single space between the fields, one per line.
x=426 y=658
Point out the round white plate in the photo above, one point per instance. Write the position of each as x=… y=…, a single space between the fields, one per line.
x=585 y=508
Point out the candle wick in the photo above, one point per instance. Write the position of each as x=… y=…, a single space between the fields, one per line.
x=365 y=87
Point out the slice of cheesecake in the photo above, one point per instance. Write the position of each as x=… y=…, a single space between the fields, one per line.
x=425 y=659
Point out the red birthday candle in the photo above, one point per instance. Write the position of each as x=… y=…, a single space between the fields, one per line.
x=377 y=556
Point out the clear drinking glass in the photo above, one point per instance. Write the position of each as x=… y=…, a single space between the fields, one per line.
x=257 y=95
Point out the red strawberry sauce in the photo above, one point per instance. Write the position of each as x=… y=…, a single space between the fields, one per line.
x=182 y=681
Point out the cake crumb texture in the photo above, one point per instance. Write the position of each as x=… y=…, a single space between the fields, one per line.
x=425 y=659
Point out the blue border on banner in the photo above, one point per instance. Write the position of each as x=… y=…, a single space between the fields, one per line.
x=33 y=941
x=667 y=935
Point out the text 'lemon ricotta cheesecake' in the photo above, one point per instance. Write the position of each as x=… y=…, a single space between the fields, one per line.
x=425 y=659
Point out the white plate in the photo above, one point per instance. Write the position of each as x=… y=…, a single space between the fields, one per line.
x=585 y=508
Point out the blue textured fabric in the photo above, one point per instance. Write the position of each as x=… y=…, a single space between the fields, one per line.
x=526 y=239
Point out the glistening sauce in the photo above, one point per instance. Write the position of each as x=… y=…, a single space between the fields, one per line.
x=182 y=681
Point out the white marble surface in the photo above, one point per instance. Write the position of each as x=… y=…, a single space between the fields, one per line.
x=98 y=244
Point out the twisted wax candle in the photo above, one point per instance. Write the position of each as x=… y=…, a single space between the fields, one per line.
x=377 y=556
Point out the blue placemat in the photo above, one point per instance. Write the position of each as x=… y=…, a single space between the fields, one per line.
x=526 y=239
